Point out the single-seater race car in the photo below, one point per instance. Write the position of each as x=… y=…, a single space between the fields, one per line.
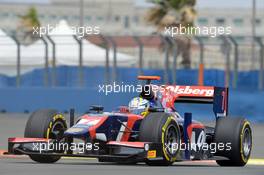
x=148 y=130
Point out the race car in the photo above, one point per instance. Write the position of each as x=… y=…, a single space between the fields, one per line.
x=149 y=129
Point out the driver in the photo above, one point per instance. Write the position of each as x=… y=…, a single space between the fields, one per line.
x=140 y=106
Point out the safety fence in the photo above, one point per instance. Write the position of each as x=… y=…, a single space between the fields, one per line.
x=239 y=59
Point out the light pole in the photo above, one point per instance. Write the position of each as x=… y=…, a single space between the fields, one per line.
x=253 y=33
x=81 y=12
x=81 y=79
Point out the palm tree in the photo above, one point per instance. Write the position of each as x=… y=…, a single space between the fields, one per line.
x=28 y=22
x=173 y=13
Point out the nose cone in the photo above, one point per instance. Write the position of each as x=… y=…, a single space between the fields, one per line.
x=77 y=130
x=82 y=127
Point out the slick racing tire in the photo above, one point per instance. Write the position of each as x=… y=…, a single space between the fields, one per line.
x=45 y=123
x=237 y=133
x=161 y=128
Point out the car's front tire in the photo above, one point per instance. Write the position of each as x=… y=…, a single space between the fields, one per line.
x=161 y=128
x=46 y=123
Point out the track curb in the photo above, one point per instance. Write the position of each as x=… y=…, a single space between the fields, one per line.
x=259 y=162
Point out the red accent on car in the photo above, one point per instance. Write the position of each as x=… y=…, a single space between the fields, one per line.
x=142 y=77
x=92 y=129
x=128 y=144
x=190 y=128
x=131 y=119
x=26 y=140
x=123 y=109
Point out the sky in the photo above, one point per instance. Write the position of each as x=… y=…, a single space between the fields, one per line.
x=25 y=1
x=229 y=3
x=200 y=3
x=221 y=3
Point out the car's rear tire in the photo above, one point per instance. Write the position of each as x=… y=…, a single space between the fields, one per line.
x=238 y=133
x=45 y=123
x=161 y=128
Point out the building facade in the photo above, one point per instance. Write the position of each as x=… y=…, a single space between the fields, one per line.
x=112 y=16
x=121 y=16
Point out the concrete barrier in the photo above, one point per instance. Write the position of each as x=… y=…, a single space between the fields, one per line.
x=241 y=103
x=67 y=76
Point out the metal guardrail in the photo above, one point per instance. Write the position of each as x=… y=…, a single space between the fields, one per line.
x=46 y=76
x=261 y=61
x=228 y=49
x=174 y=55
x=107 y=65
x=140 y=54
x=18 y=77
x=114 y=46
x=54 y=75
x=81 y=77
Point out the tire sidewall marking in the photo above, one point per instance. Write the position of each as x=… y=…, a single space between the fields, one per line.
x=246 y=123
x=164 y=128
x=51 y=123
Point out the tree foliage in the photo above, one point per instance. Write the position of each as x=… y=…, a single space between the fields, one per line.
x=172 y=13
x=26 y=26
x=30 y=19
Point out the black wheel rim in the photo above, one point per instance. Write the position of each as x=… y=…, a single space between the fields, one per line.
x=57 y=130
x=171 y=140
x=246 y=142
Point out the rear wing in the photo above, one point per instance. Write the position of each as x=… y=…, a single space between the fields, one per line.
x=218 y=96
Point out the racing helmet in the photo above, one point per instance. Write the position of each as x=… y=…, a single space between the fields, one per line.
x=139 y=105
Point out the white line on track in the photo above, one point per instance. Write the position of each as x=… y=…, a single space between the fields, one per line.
x=259 y=162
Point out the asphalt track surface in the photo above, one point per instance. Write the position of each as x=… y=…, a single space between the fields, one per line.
x=12 y=125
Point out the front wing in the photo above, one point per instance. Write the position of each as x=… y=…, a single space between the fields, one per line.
x=117 y=151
